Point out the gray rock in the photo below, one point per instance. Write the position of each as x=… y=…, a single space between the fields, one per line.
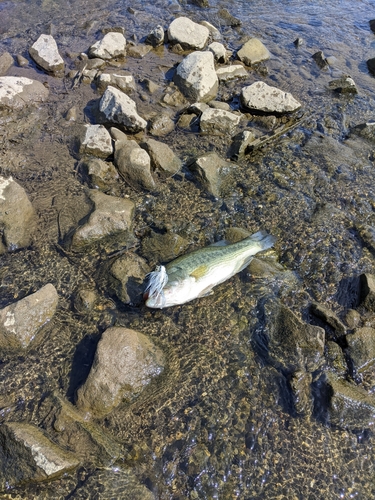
x=102 y=175
x=46 y=54
x=261 y=97
x=361 y=348
x=173 y=97
x=219 y=52
x=134 y=164
x=6 y=62
x=214 y=32
x=163 y=160
x=344 y=85
x=72 y=114
x=196 y=77
x=367 y=291
x=138 y=51
x=218 y=122
x=188 y=34
x=17 y=216
x=110 y=46
x=227 y=19
x=22 y=61
x=226 y=73
x=323 y=312
x=125 y=363
x=156 y=36
x=111 y=216
x=126 y=278
x=365 y=130
x=16 y=92
x=118 y=79
x=253 y=52
x=240 y=144
x=353 y=318
x=21 y=322
x=163 y=247
x=220 y=105
x=301 y=387
x=96 y=141
x=320 y=59
x=118 y=108
x=31 y=455
x=161 y=125
x=210 y=171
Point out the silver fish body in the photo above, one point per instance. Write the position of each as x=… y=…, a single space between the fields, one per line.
x=195 y=274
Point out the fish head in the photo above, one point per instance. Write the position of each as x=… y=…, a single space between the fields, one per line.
x=171 y=295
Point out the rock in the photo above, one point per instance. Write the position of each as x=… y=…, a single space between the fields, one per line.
x=301 y=387
x=253 y=52
x=372 y=25
x=163 y=160
x=72 y=114
x=85 y=300
x=29 y=455
x=344 y=85
x=196 y=77
x=367 y=131
x=6 y=62
x=138 y=51
x=335 y=359
x=323 y=312
x=111 y=216
x=150 y=86
x=118 y=108
x=214 y=32
x=220 y=105
x=361 y=348
x=16 y=92
x=298 y=42
x=173 y=97
x=118 y=136
x=261 y=97
x=110 y=46
x=161 y=125
x=119 y=80
x=96 y=141
x=102 y=175
x=367 y=291
x=227 y=19
x=163 y=247
x=240 y=143
x=156 y=36
x=371 y=65
x=218 y=122
x=210 y=171
x=260 y=268
x=126 y=278
x=226 y=73
x=21 y=322
x=22 y=61
x=125 y=363
x=46 y=54
x=219 y=52
x=134 y=165
x=17 y=216
x=188 y=34
x=320 y=59
x=352 y=318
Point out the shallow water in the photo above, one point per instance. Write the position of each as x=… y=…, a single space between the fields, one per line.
x=219 y=423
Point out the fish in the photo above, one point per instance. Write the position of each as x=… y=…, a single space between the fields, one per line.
x=195 y=274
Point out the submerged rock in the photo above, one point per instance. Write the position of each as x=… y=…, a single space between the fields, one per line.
x=163 y=247
x=253 y=52
x=110 y=46
x=21 y=322
x=261 y=97
x=365 y=130
x=301 y=387
x=361 y=348
x=344 y=85
x=210 y=171
x=156 y=36
x=188 y=34
x=320 y=59
x=96 y=141
x=240 y=144
x=126 y=278
x=161 y=125
x=134 y=164
x=163 y=160
x=46 y=54
x=118 y=108
x=371 y=65
x=125 y=363
x=17 y=92
x=323 y=312
x=367 y=291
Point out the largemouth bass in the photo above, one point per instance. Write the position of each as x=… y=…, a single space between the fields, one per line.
x=195 y=274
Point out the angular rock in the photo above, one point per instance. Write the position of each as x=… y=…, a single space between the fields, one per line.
x=138 y=51
x=367 y=291
x=226 y=73
x=365 y=130
x=119 y=80
x=96 y=141
x=335 y=359
x=214 y=32
x=161 y=125
x=173 y=97
x=253 y=52
x=16 y=92
x=134 y=165
x=118 y=108
x=219 y=52
x=163 y=247
x=320 y=59
x=163 y=160
x=227 y=19
x=156 y=36
x=125 y=363
x=344 y=85
x=110 y=46
x=196 y=77
x=261 y=97
x=371 y=65
x=188 y=34
x=17 y=216
x=352 y=318
x=361 y=348
x=29 y=455
x=240 y=144
x=218 y=122
x=323 y=312
x=46 y=54
x=210 y=171
x=111 y=216
x=301 y=387
x=6 y=62
x=21 y=322
x=126 y=278
x=102 y=175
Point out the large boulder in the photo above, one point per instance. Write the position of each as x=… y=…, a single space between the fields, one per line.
x=112 y=45
x=196 y=77
x=125 y=363
x=116 y=107
x=46 y=54
x=16 y=92
x=188 y=34
x=134 y=164
x=262 y=97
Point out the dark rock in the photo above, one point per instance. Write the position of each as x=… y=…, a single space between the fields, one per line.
x=323 y=312
x=365 y=130
x=298 y=42
x=227 y=19
x=344 y=85
x=367 y=291
x=371 y=65
x=335 y=359
x=372 y=25
x=361 y=348
x=101 y=174
x=240 y=144
x=85 y=300
x=301 y=387
x=156 y=36
x=320 y=59
x=126 y=277
x=163 y=247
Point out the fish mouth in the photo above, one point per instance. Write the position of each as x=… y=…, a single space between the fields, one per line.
x=155 y=301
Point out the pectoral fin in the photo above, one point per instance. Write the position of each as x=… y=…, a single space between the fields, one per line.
x=199 y=272
x=206 y=292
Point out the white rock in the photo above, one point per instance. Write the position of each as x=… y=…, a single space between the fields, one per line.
x=16 y=92
x=196 y=77
x=110 y=46
x=219 y=51
x=118 y=108
x=96 y=141
x=218 y=122
x=46 y=54
x=188 y=34
x=214 y=32
x=123 y=82
x=134 y=164
x=262 y=97
x=230 y=72
x=252 y=52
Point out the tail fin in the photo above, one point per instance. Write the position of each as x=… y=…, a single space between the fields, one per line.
x=264 y=239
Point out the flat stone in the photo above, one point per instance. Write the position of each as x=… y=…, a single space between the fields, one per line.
x=261 y=97
x=17 y=92
x=21 y=322
x=46 y=54
x=138 y=51
x=134 y=165
x=163 y=160
x=253 y=52
x=6 y=62
x=188 y=34
x=218 y=122
x=96 y=141
x=120 y=109
x=112 y=45
x=226 y=73
x=118 y=79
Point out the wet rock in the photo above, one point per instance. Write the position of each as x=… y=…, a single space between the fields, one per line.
x=220 y=105
x=125 y=363
x=173 y=97
x=372 y=25
x=262 y=268
x=126 y=278
x=161 y=125
x=367 y=291
x=119 y=80
x=301 y=387
x=85 y=300
x=240 y=144
x=227 y=19
x=196 y=77
x=134 y=165
x=71 y=114
x=214 y=32
x=352 y=319
x=96 y=141
x=320 y=59
x=371 y=65
x=21 y=322
x=16 y=92
x=163 y=247
x=226 y=73
x=298 y=42
x=211 y=172
x=344 y=85
x=6 y=62
x=27 y=454
x=138 y=51
x=102 y=175
x=188 y=34
x=111 y=216
x=156 y=36
x=151 y=86
x=219 y=52
x=163 y=160
x=22 y=61
x=365 y=130
x=46 y=54
x=361 y=348
x=253 y=52
x=261 y=97
x=218 y=122
x=118 y=108
x=335 y=359
x=110 y=46
x=17 y=216
x=323 y=312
